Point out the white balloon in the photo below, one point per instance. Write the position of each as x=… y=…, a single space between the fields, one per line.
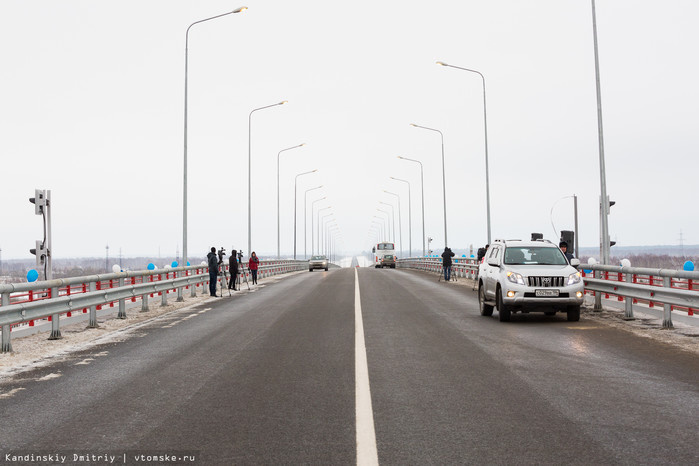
x=167 y=266
x=592 y=261
x=625 y=263
x=116 y=268
x=203 y=263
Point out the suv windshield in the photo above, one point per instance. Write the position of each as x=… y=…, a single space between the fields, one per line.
x=534 y=255
x=318 y=258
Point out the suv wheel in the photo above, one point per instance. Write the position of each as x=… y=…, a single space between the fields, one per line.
x=503 y=310
x=486 y=309
x=573 y=313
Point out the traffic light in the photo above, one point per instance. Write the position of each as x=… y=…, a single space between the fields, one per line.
x=612 y=243
x=39 y=201
x=611 y=203
x=40 y=253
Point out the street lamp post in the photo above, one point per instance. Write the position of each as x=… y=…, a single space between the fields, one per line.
x=295 y=179
x=313 y=205
x=318 y=227
x=250 y=170
x=485 y=126
x=305 y=219
x=422 y=190
x=184 y=187
x=388 y=221
x=321 y=232
x=444 y=177
x=410 y=218
x=278 y=235
x=383 y=227
x=400 y=222
x=393 y=219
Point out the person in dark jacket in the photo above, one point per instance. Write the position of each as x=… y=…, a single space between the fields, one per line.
x=213 y=271
x=253 y=264
x=446 y=263
x=233 y=269
x=564 y=249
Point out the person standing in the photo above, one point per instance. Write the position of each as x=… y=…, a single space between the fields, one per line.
x=213 y=271
x=253 y=264
x=446 y=263
x=233 y=269
x=564 y=249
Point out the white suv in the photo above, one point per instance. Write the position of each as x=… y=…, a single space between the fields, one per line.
x=525 y=276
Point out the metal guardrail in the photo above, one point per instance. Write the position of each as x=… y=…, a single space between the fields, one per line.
x=26 y=302
x=669 y=287
x=462 y=267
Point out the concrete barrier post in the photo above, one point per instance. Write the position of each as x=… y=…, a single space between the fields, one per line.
x=628 y=311
x=6 y=329
x=122 y=302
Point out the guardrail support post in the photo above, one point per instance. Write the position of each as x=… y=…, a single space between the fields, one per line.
x=55 y=319
x=193 y=286
x=93 y=310
x=180 y=297
x=163 y=302
x=598 y=295
x=122 y=302
x=6 y=329
x=628 y=311
x=667 y=308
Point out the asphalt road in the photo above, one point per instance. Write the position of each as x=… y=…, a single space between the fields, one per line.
x=268 y=377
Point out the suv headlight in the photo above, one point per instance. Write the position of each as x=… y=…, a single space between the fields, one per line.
x=515 y=278
x=574 y=278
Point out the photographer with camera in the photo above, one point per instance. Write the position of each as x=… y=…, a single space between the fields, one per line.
x=213 y=271
x=233 y=268
x=446 y=263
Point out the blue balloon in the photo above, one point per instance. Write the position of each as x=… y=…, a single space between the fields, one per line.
x=188 y=264
x=151 y=266
x=587 y=271
x=689 y=266
x=32 y=275
x=472 y=256
x=174 y=264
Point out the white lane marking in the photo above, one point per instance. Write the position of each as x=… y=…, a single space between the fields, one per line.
x=48 y=377
x=11 y=393
x=366 y=435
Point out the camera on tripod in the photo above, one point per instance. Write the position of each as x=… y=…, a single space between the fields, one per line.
x=240 y=255
x=221 y=253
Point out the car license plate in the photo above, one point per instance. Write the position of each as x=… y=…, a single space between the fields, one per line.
x=547 y=293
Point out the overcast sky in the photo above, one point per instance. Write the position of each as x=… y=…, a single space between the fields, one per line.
x=92 y=105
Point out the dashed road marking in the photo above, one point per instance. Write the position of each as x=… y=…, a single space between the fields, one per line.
x=11 y=393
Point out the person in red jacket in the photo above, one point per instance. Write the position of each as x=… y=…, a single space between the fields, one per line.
x=253 y=264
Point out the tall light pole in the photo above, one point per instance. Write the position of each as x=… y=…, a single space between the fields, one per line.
x=295 y=179
x=313 y=206
x=305 y=219
x=384 y=237
x=410 y=218
x=280 y=153
x=393 y=218
x=250 y=170
x=318 y=226
x=400 y=223
x=485 y=126
x=388 y=221
x=422 y=190
x=321 y=232
x=184 y=187
x=444 y=178
x=604 y=201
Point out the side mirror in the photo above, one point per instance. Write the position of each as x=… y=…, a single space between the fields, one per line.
x=575 y=262
x=494 y=262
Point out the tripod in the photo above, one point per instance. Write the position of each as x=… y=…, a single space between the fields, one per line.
x=241 y=272
x=452 y=276
x=223 y=275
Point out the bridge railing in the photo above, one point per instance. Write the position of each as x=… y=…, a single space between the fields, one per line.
x=463 y=267
x=27 y=302
x=673 y=289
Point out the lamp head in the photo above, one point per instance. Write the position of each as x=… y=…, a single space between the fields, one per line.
x=238 y=10
x=283 y=102
x=442 y=63
x=413 y=124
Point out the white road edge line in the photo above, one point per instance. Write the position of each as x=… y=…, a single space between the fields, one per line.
x=366 y=435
